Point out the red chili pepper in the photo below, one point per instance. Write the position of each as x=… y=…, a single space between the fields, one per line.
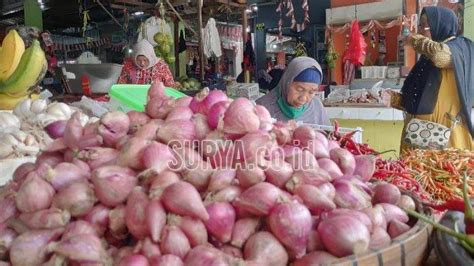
x=452 y=205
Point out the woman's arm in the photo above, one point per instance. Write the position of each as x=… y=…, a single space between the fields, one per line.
x=396 y=100
x=166 y=76
x=438 y=53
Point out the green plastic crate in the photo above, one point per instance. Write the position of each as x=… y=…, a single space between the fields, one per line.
x=127 y=97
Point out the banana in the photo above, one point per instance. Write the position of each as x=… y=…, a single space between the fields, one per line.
x=26 y=74
x=11 y=53
x=8 y=102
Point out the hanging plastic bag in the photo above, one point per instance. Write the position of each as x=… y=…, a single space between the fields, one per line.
x=357 y=48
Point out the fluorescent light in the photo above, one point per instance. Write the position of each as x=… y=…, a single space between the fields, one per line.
x=248 y=29
x=275 y=46
x=254 y=8
x=139 y=13
x=248 y=10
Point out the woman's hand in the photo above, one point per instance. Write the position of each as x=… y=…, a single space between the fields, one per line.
x=387 y=97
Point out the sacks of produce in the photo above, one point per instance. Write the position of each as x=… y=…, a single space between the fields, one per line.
x=188 y=187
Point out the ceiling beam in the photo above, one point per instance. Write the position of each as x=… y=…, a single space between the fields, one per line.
x=135 y=3
x=232 y=4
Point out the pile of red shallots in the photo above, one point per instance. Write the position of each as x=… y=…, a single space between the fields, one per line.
x=195 y=181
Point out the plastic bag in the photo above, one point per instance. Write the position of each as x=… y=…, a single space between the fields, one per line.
x=91 y=107
x=357 y=48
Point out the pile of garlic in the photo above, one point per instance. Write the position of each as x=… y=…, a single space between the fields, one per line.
x=22 y=131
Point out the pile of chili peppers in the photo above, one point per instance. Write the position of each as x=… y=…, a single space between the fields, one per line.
x=393 y=171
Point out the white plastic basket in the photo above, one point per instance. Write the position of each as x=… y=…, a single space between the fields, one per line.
x=357 y=137
x=374 y=72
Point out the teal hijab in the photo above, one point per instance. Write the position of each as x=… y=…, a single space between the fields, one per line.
x=308 y=75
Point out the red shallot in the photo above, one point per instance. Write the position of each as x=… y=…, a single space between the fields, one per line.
x=73 y=131
x=155 y=219
x=180 y=113
x=291 y=223
x=131 y=154
x=344 y=235
x=157 y=156
x=258 y=199
x=221 y=220
x=113 y=184
x=266 y=122
x=386 y=193
x=134 y=260
x=9 y=209
x=249 y=175
x=316 y=201
x=135 y=213
x=78 y=198
x=162 y=181
x=379 y=239
x=79 y=227
x=85 y=248
x=7 y=236
x=99 y=218
x=350 y=196
x=397 y=228
x=159 y=107
x=314 y=176
x=316 y=258
x=220 y=179
x=205 y=99
x=205 y=255
x=216 y=114
x=241 y=118
x=331 y=167
x=65 y=174
x=243 y=229
x=56 y=129
x=184 y=101
x=137 y=120
x=166 y=260
x=177 y=131
x=406 y=202
x=265 y=249
x=344 y=159
x=314 y=242
x=194 y=229
x=174 y=241
x=392 y=212
x=30 y=248
x=365 y=166
x=228 y=194
x=34 y=194
x=377 y=216
x=98 y=156
x=45 y=219
x=278 y=172
x=201 y=126
x=113 y=126
x=183 y=199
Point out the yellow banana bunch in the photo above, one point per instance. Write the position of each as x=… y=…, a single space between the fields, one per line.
x=28 y=73
x=11 y=53
x=8 y=102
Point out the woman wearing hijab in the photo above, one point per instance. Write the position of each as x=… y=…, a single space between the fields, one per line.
x=293 y=98
x=145 y=67
x=439 y=87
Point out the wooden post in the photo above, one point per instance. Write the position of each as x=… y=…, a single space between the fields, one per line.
x=245 y=39
x=201 y=46
x=176 y=47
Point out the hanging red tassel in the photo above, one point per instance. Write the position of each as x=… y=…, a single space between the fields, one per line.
x=357 y=49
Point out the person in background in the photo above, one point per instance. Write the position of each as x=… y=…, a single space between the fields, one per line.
x=440 y=86
x=293 y=98
x=145 y=67
x=241 y=77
